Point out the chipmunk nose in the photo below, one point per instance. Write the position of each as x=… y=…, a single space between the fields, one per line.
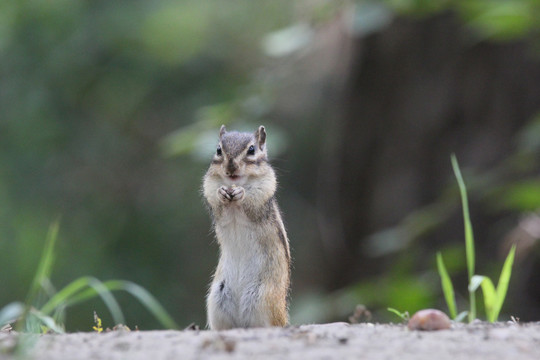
x=231 y=167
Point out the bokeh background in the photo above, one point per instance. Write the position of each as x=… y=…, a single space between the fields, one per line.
x=110 y=111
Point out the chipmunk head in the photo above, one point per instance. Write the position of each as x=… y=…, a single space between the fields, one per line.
x=239 y=156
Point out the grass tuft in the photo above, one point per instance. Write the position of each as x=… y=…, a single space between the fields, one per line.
x=33 y=318
x=493 y=297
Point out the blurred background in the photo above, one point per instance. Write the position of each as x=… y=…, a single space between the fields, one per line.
x=110 y=112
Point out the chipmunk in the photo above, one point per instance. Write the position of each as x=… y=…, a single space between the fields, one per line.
x=251 y=281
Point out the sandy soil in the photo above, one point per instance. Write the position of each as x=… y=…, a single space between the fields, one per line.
x=327 y=341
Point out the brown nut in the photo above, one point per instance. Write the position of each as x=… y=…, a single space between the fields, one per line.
x=429 y=320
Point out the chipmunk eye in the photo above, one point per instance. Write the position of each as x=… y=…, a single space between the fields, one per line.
x=251 y=150
x=218 y=151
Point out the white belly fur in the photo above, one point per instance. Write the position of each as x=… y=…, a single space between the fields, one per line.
x=240 y=267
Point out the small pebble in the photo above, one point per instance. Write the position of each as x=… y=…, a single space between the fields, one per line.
x=429 y=320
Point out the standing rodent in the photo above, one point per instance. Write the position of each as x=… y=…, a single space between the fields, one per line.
x=251 y=282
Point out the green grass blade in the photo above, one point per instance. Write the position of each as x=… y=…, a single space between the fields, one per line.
x=63 y=297
x=461 y=316
x=45 y=263
x=448 y=288
x=137 y=291
x=84 y=295
x=147 y=299
x=43 y=271
x=404 y=316
x=490 y=295
x=490 y=298
x=48 y=321
x=504 y=280
x=469 y=238
x=475 y=282
x=108 y=299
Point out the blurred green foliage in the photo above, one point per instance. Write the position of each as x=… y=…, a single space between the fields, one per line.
x=108 y=114
x=500 y=19
x=90 y=93
x=491 y=19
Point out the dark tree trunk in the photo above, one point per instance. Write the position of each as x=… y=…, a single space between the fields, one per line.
x=415 y=93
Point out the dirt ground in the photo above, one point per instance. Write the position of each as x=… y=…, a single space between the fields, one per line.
x=327 y=341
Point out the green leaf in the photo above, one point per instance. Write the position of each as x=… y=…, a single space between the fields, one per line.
x=48 y=322
x=10 y=312
x=494 y=298
x=63 y=297
x=489 y=292
x=490 y=298
x=469 y=238
x=108 y=299
x=461 y=316
x=137 y=291
x=45 y=263
x=475 y=282
x=404 y=316
x=43 y=272
x=504 y=280
x=448 y=288
x=147 y=299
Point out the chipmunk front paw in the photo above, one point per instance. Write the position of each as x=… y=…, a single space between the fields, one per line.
x=237 y=193
x=223 y=194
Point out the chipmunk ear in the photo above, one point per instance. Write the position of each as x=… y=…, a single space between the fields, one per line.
x=222 y=131
x=260 y=135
